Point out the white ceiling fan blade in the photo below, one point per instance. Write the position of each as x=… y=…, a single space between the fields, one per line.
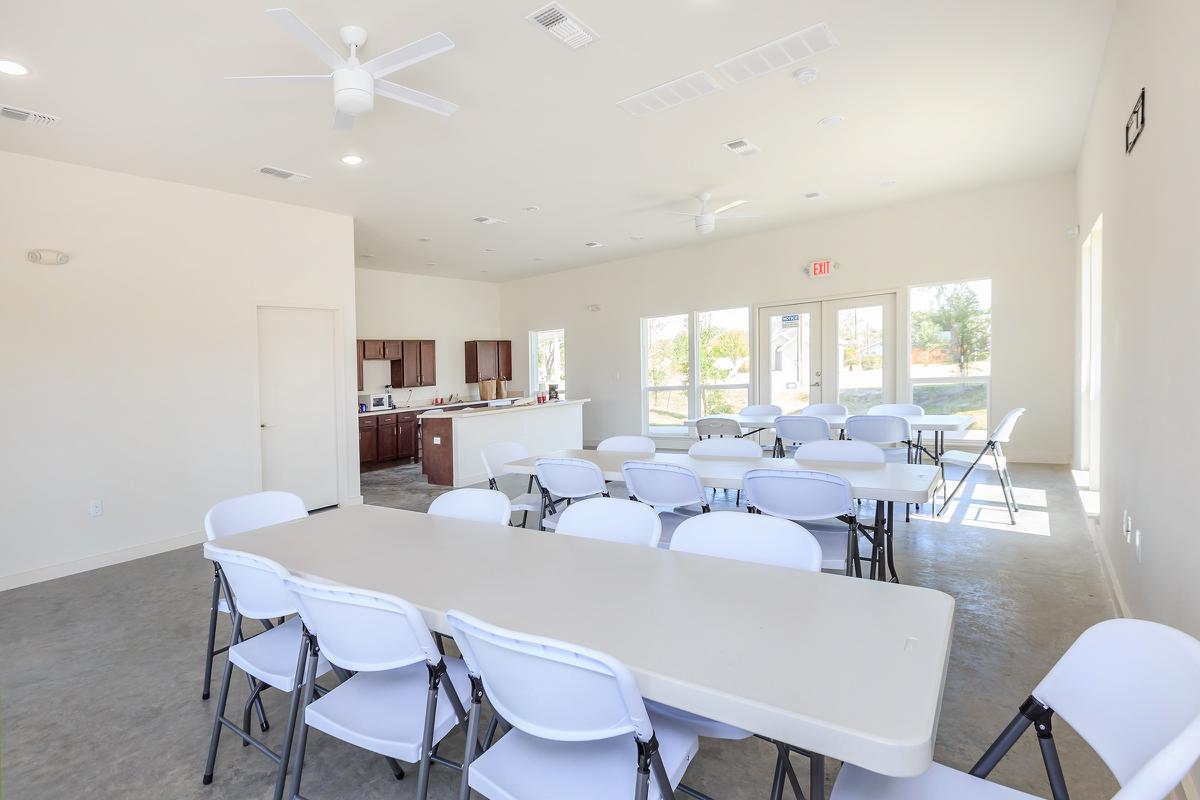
x=306 y=36
x=403 y=94
x=279 y=78
x=683 y=213
x=728 y=206
x=410 y=54
x=740 y=216
x=342 y=122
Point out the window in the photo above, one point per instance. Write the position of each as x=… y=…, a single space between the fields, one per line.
x=547 y=359
x=950 y=342
x=695 y=364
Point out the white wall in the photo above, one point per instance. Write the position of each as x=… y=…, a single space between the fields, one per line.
x=1151 y=288
x=130 y=375
x=395 y=305
x=1013 y=234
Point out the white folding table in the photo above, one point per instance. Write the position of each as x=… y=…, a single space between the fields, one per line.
x=786 y=654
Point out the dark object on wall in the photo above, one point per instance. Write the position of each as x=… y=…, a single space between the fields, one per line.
x=1136 y=122
x=488 y=359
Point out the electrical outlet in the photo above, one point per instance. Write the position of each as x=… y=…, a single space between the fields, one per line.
x=96 y=509
x=1137 y=544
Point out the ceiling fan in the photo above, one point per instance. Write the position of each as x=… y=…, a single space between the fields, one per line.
x=706 y=220
x=355 y=84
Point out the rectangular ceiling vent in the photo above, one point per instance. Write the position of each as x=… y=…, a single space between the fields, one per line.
x=779 y=53
x=670 y=94
x=25 y=115
x=563 y=26
x=284 y=174
x=742 y=147
x=487 y=220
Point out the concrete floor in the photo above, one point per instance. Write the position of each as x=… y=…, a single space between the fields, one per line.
x=100 y=675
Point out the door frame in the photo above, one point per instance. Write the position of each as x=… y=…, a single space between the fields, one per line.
x=760 y=390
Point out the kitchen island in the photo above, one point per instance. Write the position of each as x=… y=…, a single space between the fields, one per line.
x=452 y=441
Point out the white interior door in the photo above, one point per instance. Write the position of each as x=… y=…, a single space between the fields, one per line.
x=298 y=403
x=790 y=355
x=859 y=351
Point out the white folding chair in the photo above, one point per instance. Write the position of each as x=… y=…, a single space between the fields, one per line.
x=892 y=434
x=274 y=658
x=809 y=496
x=612 y=520
x=999 y=465
x=1128 y=687
x=236 y=515
x=642 y=445
x=565 y=480
x=479 y=505
x=707 y=427
x=495 y=456
x=580 y=728
x=764 y=410
x=674 y=491
x=841 y=450
x=799 y=429
x=763 y=540
x=404 y=696
x=896 y=410
x=825 y=410
x=726 y=448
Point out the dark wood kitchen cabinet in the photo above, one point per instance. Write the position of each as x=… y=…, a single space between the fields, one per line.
x=387 y=444
x=373 y=349
x=416 y=365
x=368 y=441
x=428 y=375
x=484 y=360
x=385 y=438
x=504 y=360
x=412 y=364
x=392 y=349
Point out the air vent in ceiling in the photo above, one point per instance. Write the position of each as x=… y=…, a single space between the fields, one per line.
x=778 y=54
x=594 y=244
x=25 y=115
x=284 y=174
x=670 y=94
x=487 y=220
x=563 y=25
x=742 y=147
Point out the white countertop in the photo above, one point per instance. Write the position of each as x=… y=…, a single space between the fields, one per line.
x=425 y=407
x=471 y=413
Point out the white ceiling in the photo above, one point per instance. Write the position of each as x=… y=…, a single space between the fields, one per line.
x=937 y=95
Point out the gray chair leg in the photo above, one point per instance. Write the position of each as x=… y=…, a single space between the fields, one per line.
x=212 y=633
x=310 y=687
x=435 y=682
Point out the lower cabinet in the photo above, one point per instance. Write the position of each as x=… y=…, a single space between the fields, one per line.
x=386 y=438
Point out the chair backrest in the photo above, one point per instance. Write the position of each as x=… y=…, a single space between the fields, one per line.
x=825 y=409
x=761 y=410
x=628 y=444
x=729 y=448
x=801 y=429
x=361 y=630
x=897 y=410
x=878 y=429
x=718 y=426
x=569 y=477
x=497 y=454
x=480 y=505
x=662 y=485
x=749 y=537
x=551 y=689
x=797 y=494
x=612 y=520
x=250 y=511
x=258 y=593
x=1129 y=688
x=841 y=450
x=1004 y=430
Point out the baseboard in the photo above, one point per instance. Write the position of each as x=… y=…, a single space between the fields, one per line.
x=99 y=560
x=1106 y=566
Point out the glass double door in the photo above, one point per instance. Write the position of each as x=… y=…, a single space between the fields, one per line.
x=831 y=351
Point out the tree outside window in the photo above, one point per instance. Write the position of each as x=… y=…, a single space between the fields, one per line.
x=950 y=330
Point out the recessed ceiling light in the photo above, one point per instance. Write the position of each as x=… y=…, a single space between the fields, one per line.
x=813 y=196
x=487 y=220
x=531 y=209
x=805 y=75
x=424 y=238
x=13 y=68
x=352 y=160
x=830 y=122
x=637 y=237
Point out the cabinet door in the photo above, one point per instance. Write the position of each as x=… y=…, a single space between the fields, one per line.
x=489 y=360
x=388 y=449
x=504 y=360
x=412 y=363
x=428 y=363
x=391 y=349
x=472 y=361
x=407 y=440
x=372 y=349
x=358 y=347
x=368 y=445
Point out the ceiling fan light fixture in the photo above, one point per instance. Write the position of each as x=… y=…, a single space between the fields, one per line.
x=352 y=159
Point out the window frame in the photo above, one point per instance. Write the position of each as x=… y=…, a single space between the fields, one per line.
x=534 y=335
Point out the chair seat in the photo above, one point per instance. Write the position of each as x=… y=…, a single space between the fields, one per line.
x=384 y=712
x=701 y=726
x=936 y=783
x=271 y=655
x=527 y=502
x=833 y=544
x=524 y=767
x=895 y=454
x=961 y=458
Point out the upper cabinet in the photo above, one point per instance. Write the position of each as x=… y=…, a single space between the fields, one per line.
x=373 y=349
x=393 y=349
x=414 y=361
x=428 y=376
x=488 y=359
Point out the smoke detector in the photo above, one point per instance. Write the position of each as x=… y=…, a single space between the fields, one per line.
x=563 y=26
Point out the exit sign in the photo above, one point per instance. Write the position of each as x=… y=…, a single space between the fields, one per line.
x=820 y=269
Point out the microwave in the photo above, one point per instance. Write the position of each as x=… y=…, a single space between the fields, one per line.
x=375 y=402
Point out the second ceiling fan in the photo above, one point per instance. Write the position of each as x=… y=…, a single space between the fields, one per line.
x=706 y=219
